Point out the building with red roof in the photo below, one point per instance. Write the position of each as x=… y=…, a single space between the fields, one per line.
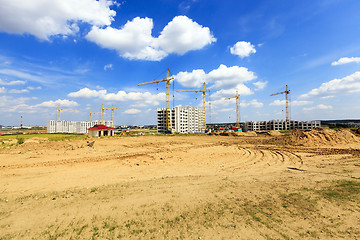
x=100 y=130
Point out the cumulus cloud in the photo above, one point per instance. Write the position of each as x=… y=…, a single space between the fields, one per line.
x=318 y=107
x=134 y=40
x=2 y=90
x=87 y=93
x=192 y=79
x=293 y=103
x=10 y=83
x=61 y=102
x=132 y=111
x=223 y=77
x=120 y=96
x=44 y=19
x=242 y=49
x=344 y=86
x=346 y=60
x=108 y=66
x=260 y=85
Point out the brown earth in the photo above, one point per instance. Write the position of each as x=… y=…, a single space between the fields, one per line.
x=305 y=184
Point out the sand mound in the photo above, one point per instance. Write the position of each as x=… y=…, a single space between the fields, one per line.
x=320 y=137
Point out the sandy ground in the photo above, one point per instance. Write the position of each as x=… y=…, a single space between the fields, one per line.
x=180 y=187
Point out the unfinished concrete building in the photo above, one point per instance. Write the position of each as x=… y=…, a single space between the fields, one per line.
x=53 y=126
x=183 y=120
x=280 y=125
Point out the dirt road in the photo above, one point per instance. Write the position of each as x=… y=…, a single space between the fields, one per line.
x=180 y=187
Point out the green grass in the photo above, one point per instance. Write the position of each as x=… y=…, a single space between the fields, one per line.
x=51 y=137
x=341 y=190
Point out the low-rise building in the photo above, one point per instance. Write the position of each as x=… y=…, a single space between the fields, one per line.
x=280 y=125
x=100 y=130
x=72 y=126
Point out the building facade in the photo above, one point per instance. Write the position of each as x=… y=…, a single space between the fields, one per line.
x=53 y=126
x=183 y=120
x=280 y=125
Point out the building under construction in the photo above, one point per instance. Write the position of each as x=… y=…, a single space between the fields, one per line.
x=183 y=120
x=73 y=126
x=280 y=125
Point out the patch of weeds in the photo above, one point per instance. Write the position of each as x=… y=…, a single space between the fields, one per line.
x=20 y=140
x=94 y=189
x=341 y=190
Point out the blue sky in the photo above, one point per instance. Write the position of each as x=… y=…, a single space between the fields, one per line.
x=86 y=53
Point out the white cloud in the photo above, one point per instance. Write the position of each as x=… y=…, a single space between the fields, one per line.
x=229 y=77
x=344 y=86
x=87 y=93
x=260 y=85
x=44 y=19
x=183 y=34
x=242 y=49
x=346 y=60
x=241 y=88
x=132 y=111
x=11 y=83
x=293 y=103
x=318 y=107
x=2 y=90
x=224 y=81
x=253 y=103
x=18 y=91
x=134 y=39
x=34 y=88
x=192 y=79
x=108 y=66
x=22 y=75
x=61 y=102
x=120 y=96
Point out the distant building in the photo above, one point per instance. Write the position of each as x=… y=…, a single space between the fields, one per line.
x=183 y=120
x=280 y=125
x=72 y=126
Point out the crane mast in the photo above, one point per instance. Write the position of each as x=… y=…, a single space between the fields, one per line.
x=168 y=83
x=64 y=109
x=203 y=91
x=286 y=92
x=237 y=96
x=91 y=113
x=112 y=109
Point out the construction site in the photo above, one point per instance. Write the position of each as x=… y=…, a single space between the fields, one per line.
x=280 y=179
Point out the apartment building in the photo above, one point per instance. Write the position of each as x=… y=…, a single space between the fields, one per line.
x=183 y=120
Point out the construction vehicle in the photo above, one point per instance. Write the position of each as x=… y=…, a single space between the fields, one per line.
x=203 y=91
x=112 y=109
x=64 y=109
x=168 y=83
x=237 y=97
x=286 y=92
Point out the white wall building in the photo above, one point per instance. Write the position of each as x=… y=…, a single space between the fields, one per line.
x=183 y=120
x=53 y=126
x=280 y=125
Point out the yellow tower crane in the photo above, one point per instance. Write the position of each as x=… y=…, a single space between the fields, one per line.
x=64 y=109
x=237 y=96
x=203 y=91
x=286 y=92
x=112 y=109
x=168 y=83
x=91 y=113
